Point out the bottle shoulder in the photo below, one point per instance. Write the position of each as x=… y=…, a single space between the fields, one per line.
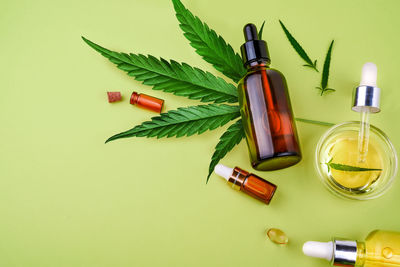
x=270 y=72
x=382 y=235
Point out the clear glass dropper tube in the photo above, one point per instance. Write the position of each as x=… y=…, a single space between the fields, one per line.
x=363 y=136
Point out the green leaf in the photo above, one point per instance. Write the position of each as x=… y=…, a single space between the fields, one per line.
x=208 y=44
x=233 y=135
x=315 y=122
x=325 y=71
x=172 y=77
x=297 y=47
x=183 y=122
x=348 y=168
x=260 y=32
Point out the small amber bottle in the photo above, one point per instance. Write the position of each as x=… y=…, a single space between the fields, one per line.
x=248 y=183
x=147 y=102
x=265 y=107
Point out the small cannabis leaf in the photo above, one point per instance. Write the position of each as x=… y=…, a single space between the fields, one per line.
x=260 y=32
x=299 y=49
x=183 y=122
x=172 y=77
x=232 y=137
x=325 y=72
x=208 y=44
x=348 y=168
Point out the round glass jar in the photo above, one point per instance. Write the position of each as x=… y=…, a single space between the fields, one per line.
x=337 y=149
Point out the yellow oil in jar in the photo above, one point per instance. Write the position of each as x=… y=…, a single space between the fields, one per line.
x=343 y=149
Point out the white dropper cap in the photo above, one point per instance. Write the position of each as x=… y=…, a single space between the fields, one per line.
x=369 y=74
x=223 y=171
x=366 y=97
x=323 y=250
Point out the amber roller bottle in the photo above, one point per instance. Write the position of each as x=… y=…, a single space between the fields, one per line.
x=265 y=107
x=248 y=183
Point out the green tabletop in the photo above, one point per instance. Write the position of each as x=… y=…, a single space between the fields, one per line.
x=67 y=199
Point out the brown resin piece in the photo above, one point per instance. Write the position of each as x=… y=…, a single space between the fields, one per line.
x=114 y=97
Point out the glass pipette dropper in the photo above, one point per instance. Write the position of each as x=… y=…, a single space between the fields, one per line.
x=363 y=136
x=366 y=101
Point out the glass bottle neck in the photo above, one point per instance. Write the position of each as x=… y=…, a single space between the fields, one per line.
x=345 y=252
x=257 y=64
x=348 y=253
x=238 y=177
x=360 y=254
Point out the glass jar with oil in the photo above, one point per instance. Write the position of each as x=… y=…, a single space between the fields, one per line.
x=340 y=169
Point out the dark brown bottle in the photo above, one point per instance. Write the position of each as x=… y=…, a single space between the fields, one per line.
x=265 y=107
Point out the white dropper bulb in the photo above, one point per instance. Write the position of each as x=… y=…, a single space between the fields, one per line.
x=323 y=250
x=369 y=74
x=223 y=171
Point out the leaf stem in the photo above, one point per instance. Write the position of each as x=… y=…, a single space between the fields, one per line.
x=315 y=122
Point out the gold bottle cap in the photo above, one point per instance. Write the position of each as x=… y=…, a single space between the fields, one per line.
x=237 y=178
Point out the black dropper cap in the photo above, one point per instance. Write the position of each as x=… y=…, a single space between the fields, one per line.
x=253 y=49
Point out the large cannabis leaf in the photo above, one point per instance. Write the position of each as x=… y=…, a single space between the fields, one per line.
x=183 y=122
x=232 y=137
x=208 y=44
x=172 y=77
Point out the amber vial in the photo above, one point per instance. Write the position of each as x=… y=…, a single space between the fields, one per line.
x=265 y=107
x=252 y=185
x=147 y=102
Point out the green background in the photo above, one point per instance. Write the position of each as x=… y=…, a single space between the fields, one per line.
x=67 y=199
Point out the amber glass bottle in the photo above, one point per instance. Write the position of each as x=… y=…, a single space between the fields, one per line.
x=248 y=183
x=265 y=108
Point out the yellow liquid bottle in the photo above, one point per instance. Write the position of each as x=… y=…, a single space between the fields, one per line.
x=380 y=249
